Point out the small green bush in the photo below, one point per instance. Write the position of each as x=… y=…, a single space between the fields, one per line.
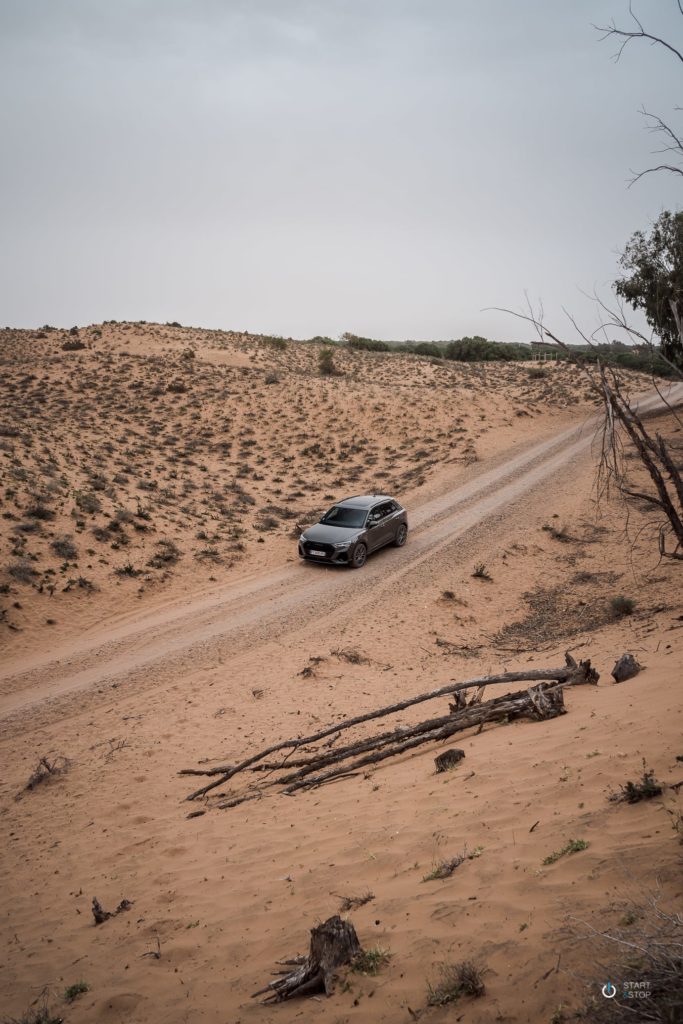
x=65 y=548
x=371 y=961
x=573 y=846
x=326 y=363
x=634 y=792
x=622 y=606
x=461 y=979
x=74 y=991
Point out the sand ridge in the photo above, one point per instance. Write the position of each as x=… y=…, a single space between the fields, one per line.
x=229 y=893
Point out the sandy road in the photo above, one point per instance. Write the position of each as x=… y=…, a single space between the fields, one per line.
x=266 y=607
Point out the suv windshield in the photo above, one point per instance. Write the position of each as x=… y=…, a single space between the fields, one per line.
x=340 y=515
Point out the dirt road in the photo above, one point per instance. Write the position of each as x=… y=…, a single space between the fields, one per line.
x=235 y=616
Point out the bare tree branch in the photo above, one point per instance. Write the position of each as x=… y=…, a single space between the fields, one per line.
x=612 y=31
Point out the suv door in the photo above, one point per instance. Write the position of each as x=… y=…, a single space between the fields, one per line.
x=381 y=526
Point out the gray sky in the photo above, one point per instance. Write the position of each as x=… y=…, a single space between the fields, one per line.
x=300 y=167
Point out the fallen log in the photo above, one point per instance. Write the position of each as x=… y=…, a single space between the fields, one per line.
x=510 y=706
x=334 y=943
x=571 y=674
x=532 y=707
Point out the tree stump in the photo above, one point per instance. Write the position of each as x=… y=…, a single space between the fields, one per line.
x=626 y=668
x=448 y=759
x=333 y=944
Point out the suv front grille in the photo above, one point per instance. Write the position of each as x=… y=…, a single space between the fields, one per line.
x=310 y=547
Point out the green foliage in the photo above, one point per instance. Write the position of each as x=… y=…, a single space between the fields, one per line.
x=74 y=991
x=643 y=358
x=326 y=363
x=461 y=979
x=371 y=961
x=424 y=348
x=573 y=846
x=645 y=789
x=622 y=606
x=274 y=341
x=654 y=267
x=478 y=349
x=366 y=344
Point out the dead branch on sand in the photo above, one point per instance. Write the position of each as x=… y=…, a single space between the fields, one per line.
x=101 y=915
x=540 y=702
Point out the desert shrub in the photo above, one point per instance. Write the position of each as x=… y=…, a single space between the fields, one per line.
x=480 y=572
x=73 y=345
x=537 y=373
x=22 y=571
x=177 y=387
x=573 y=846
x=38 y=510
x=47 y=769
x=649 y=950
x=167 y=554
x=74 y=991
x=478 y=349
x=423 y=348
x=127 y=570
x=461 y=979
x=64 y=547
x=366 y=344
x=88 y=502
x=39 y=1014
x=123 y=515
x=371 y=961
x=644 y=789
x=622 y=606
x=266 y=524
x=272 y=377
x=274 y=341
x=326 y=363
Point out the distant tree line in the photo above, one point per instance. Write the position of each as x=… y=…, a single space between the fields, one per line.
x=645 y=358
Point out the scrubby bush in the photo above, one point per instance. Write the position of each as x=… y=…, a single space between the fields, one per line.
x=326 y=363
x=88 y=502
x=64 y=547
x=366 y=344
x=22 y=571
x=622 y=606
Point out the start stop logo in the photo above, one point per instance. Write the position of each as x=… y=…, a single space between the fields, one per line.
x=626 y=990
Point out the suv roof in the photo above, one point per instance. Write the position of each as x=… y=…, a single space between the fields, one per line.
x=364 y=500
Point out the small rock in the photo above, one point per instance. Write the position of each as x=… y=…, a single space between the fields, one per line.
x=448 y=759
x=626 y=668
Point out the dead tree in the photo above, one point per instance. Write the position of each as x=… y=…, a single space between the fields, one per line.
x=622 y=421
x=318 y=764
x=334 y=944
x=672 y=147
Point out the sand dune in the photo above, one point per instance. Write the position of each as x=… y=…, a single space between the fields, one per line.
x=202 y=659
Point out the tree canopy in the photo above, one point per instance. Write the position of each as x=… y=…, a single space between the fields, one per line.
x=654 y=280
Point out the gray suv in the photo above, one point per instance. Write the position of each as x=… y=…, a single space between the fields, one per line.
x=354 y=527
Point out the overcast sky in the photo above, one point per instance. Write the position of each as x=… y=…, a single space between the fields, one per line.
x=301 y=167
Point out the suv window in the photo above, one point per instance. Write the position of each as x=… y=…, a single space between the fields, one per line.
x=383 y=510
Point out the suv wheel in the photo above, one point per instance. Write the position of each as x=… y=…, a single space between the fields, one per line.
x=359 y=556
x=401 y=535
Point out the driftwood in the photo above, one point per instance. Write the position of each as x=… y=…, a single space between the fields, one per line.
x=102 y=915
x=303 y=772
x=334 y=943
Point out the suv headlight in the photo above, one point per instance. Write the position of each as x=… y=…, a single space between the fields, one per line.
x=342 y=546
